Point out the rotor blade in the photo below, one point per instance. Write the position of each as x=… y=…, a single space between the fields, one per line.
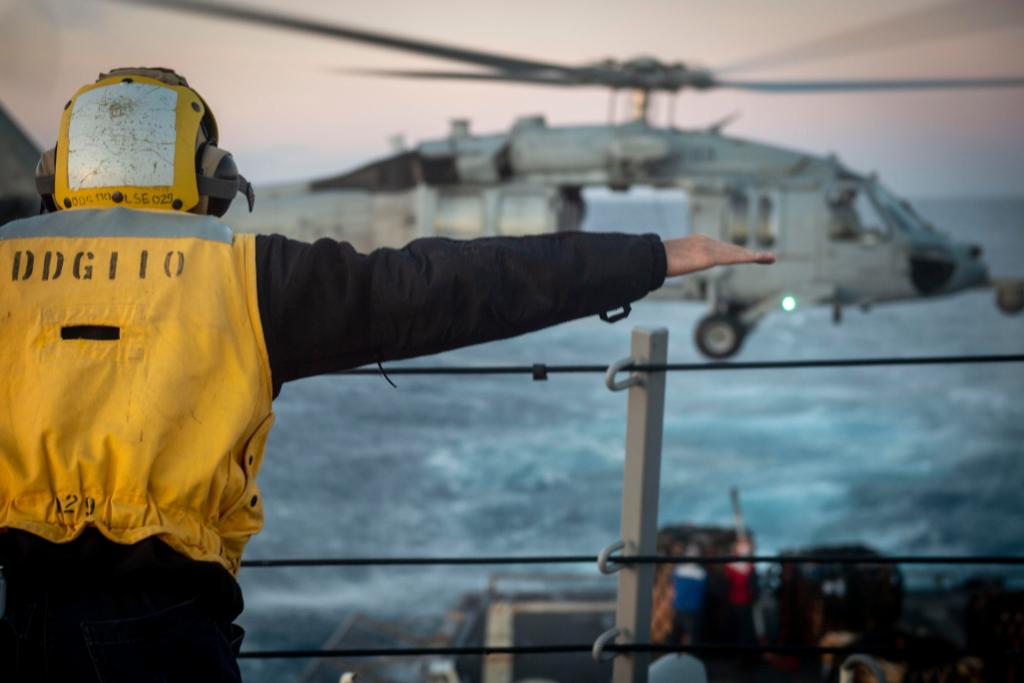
x=858 y=85
x=282 y=21
x=538 y=79
x=954 y=18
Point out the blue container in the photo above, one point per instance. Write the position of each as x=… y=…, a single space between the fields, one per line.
x=688 y=580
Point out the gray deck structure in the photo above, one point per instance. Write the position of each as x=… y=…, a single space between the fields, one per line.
x=18 y=157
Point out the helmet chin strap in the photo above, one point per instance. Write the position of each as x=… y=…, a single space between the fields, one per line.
x=222 y=188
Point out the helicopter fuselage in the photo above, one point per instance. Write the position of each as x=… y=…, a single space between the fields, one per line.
x=840 y=238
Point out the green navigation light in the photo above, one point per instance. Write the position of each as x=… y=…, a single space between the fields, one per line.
x=789 y=303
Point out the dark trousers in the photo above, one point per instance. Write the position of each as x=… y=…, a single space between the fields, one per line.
x=111 y=634
x=685 y=624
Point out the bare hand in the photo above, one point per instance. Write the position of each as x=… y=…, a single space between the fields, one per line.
x=698 y=252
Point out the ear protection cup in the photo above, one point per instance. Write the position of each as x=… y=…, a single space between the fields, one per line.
x=219 y=180
x=226 y=170
x=218 y=164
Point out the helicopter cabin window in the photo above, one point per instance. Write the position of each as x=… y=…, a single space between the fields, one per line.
x=765 y=222
x=854 y=217
x=459 y=215
x=523 y=214
x=739 y=209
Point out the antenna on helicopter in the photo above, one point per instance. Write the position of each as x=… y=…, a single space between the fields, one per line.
x=719 y=125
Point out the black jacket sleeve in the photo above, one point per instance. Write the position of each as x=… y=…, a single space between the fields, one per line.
x=326 y=307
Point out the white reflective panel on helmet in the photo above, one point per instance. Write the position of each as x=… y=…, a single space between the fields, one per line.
x=122 y=135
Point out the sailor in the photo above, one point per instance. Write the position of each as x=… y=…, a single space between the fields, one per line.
x=846 y=223
x=142 y=343
x=689 y=580
x=742 y=593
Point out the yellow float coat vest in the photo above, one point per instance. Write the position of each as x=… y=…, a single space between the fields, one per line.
x=135 y=391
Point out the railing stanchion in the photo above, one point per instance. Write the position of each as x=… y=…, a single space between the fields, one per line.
x=640 y=484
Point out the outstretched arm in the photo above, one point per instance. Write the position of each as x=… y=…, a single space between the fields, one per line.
x=325 y=307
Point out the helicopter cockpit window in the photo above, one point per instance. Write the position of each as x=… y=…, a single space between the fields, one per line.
x=900 y=214
x=765 y=222
x=739 y=209
x=855 y=216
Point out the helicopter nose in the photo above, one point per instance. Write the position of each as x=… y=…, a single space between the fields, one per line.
x=951 y=267
x=932 y=269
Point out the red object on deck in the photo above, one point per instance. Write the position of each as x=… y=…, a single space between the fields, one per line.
x=740 y=589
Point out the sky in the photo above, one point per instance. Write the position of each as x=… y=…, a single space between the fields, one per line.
x=287 y=113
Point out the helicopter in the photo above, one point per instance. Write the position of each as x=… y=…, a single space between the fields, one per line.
x=841 y=238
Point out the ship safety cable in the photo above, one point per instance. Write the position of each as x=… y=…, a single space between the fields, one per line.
x=640 y=559
x=568 y=648
x=540 y=371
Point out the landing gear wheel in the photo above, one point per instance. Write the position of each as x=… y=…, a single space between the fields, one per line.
x=719 y=335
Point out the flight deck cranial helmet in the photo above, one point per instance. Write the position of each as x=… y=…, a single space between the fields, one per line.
x=143 y=139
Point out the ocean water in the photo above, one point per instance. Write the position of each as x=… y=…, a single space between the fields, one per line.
x=908 y=459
